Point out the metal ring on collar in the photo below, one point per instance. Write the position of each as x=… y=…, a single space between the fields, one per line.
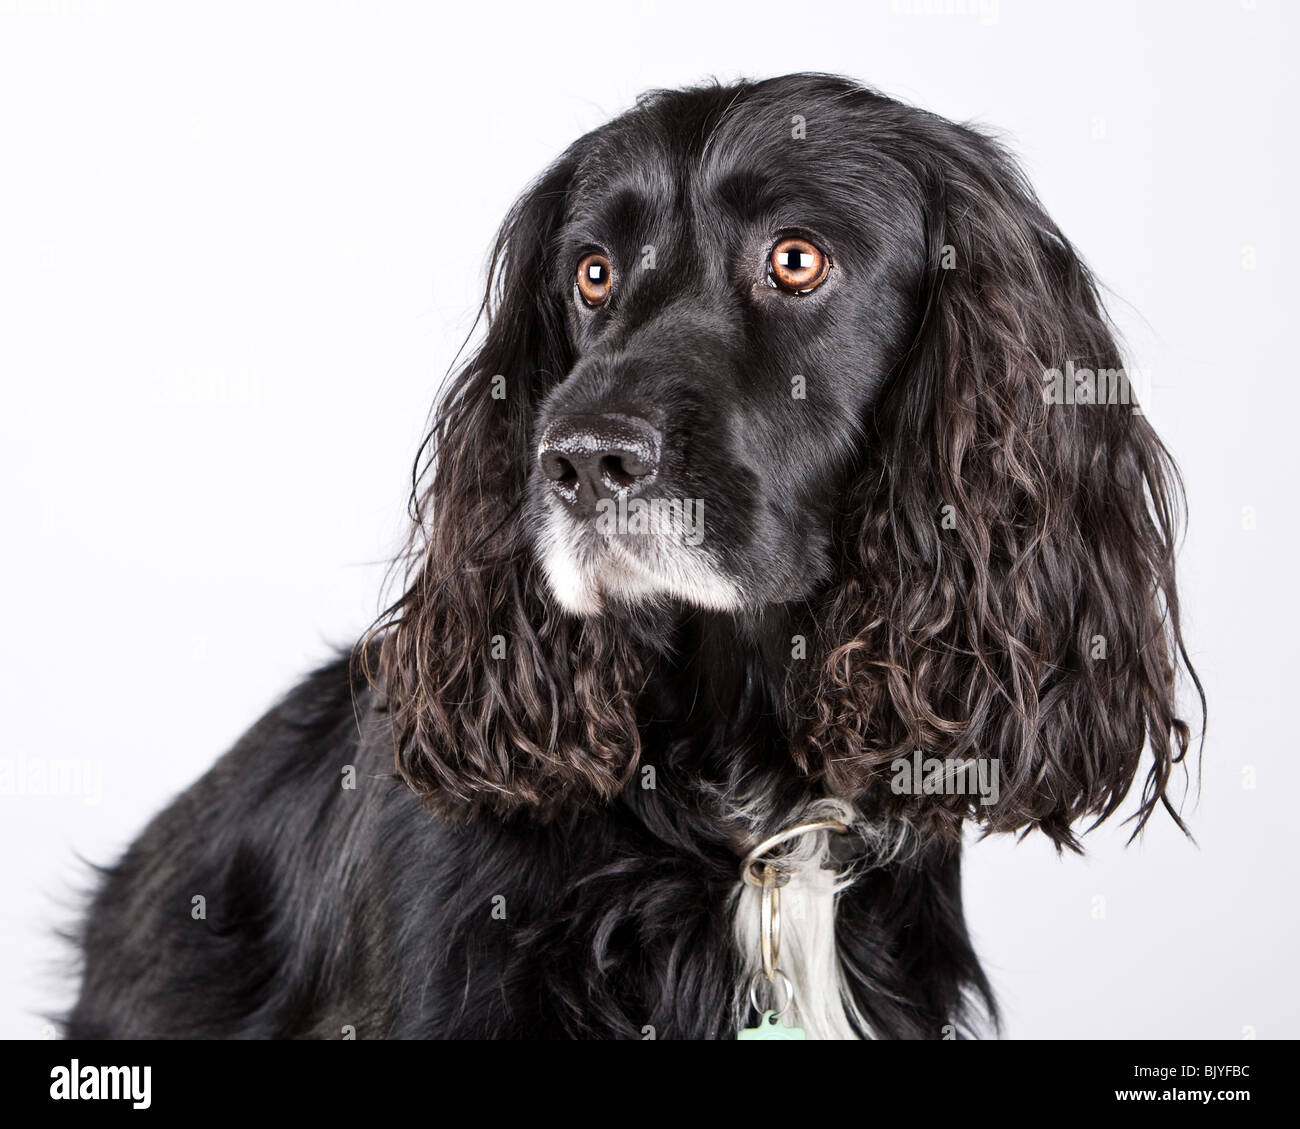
x=769 y=929
x=789 y=992
x=755 y=856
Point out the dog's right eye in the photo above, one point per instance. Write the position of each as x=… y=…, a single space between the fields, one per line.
x=797 y=266
x=595 y=279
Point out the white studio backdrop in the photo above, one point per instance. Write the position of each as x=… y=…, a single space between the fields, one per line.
x=241 y=243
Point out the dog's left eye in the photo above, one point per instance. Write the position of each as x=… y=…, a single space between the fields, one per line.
x=595 y=279
x=797 y=266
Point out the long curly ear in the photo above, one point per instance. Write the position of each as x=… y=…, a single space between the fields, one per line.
x=497 y=700
x=1010 y=596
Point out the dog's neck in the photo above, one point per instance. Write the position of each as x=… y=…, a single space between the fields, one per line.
x=713 y=712
x=722 y=671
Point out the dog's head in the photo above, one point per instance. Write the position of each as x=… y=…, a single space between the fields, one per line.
x=792 y=349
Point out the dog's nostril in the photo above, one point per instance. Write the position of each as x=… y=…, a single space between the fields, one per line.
x=559 y=469
x=622 y=470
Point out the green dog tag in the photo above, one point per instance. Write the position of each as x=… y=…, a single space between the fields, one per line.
x=770 y=1027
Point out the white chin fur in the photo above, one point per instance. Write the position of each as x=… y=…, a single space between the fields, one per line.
x=584 y=572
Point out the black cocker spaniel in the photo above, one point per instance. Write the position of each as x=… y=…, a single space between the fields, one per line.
x=763 y=511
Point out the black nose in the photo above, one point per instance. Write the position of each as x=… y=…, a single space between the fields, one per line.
x=589 y=457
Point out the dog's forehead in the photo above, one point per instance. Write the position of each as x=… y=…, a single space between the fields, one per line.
x=645 y=156
x=717 y=151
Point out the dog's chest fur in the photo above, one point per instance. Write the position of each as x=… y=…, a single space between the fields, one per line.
x=635 y=919
x=628 y=920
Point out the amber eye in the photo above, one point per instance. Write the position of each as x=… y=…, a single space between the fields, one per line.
x=796 y=266
x=595 y=279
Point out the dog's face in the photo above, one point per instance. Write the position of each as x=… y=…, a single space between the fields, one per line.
x=785 y=343
x=736 y=286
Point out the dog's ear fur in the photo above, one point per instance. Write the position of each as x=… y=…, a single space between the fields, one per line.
x=1010 y=592
x=497 y=700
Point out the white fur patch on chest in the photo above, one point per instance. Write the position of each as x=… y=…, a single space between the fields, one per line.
x=809 y=957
